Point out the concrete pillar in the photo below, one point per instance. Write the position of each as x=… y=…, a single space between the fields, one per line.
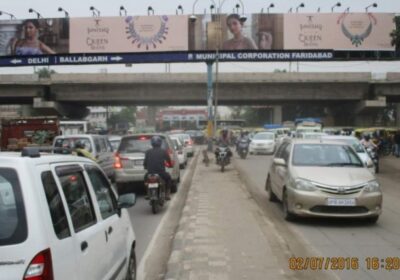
x=151 y=115
x=277 y=115
x=398 y=114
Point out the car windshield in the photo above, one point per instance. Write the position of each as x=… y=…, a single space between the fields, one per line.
x=69 y=143
x=115 y=144
x=325 y=155
x=264 y=136
x=13 y=227
x=137 y=144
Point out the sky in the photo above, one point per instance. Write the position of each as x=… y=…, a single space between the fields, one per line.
x=80 y=8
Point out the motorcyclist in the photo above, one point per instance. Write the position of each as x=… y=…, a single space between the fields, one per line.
x=80 y=151
x=368 y=143
x=154 y=163
x=223 y=141
x=244 y=137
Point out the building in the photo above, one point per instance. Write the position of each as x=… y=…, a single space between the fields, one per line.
x=168 y=119
x=10 y=111
x=98 y=116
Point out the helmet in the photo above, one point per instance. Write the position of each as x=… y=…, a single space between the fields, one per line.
x=367 y=137
x=79 y=145
x=156 y=141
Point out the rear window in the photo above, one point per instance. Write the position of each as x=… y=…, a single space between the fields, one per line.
x=13 y=229
x=69 y=143
x=138 y=144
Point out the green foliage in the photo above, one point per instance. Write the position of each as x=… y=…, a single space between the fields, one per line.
x=126 y=115
x=44 y=72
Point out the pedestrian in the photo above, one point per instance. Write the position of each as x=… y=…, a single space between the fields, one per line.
x=397 y=143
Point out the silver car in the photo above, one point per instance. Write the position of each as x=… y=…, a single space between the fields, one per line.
x=130 y=157
x=323 y=179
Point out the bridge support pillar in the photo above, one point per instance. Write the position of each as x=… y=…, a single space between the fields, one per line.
x=277 y=114
x=398 y=114
x=73 y=111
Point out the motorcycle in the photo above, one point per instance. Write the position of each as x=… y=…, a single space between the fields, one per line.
x=243 y=148
x=156 y=192
x=223 y=157
x=375 y=158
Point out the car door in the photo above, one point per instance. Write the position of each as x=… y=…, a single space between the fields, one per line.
x=115 y=230
x=62 y=240
x=273 y=169
x=90 y=245
x=282 y=171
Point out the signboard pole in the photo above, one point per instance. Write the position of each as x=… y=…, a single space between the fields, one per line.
x=210 y=97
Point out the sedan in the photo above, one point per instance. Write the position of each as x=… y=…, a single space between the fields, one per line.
x=263 y=143
x=322 y=178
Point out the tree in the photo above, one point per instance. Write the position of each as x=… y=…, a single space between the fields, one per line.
x=126 y=116
x=44 y=72
x=396 y=34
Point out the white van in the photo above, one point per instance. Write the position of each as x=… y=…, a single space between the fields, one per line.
x=61 y=219
x=98 y=145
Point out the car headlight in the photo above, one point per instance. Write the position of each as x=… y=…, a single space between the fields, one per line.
x=304 y=185
x=372 y=186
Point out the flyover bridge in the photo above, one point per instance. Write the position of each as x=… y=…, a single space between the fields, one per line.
x=71 y=93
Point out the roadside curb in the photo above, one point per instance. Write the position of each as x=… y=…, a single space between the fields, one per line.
x=174 y=265
x=157 y=255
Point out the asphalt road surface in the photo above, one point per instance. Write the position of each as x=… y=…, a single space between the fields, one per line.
x=144 y=222
x=340 y=237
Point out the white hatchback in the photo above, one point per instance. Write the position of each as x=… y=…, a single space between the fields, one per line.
x=61 y=219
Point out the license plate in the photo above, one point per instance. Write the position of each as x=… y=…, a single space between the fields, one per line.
x=138 y=162
x=153 y=186
x=341 y=201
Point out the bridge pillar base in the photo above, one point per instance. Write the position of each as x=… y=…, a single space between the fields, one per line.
x=43 y=107
x=277 y=114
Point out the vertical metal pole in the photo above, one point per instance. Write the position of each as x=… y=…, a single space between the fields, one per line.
x=210 y=97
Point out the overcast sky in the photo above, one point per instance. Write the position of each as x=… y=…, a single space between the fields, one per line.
x=80 y=8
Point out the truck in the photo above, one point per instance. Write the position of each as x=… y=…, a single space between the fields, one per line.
x=304 y=125
x=18 y=133
x=73 y=127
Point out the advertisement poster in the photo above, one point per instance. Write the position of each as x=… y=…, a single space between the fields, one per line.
x=229 y=33
x=129 y=34
x=34 y=37
x=345 y=31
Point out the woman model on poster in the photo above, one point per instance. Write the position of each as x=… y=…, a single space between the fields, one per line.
x=239 y=41
x=30 y=44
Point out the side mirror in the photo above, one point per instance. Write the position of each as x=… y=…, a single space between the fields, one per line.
x=126 y=201
x=370 y=164
x=279 y=162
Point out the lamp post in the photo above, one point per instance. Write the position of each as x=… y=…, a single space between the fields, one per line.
x=150 y=10
x=66 y=14
x=290 y=10
x=272 y=5
x=8 y=14
x=299 y=6
x=347 y=10
x=35 y=12
x=338 y=4
x=180 y=8
x=95 y=12
x=123 y=10
x=373 y=5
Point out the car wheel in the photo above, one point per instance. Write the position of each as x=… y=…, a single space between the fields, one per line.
x=131 y=273
x=372 y=220
x=289 y=216
x=271 y=196
x=182 y=166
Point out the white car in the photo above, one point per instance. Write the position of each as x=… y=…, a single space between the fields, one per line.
x=355 y=143
x=187 y=141
x=180 y=150
x=263 y=143
x=61 y=219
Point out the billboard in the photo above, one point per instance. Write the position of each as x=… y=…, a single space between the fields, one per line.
x=34 y=37
x=345 y=31
x=176 y=38
x=129 y=34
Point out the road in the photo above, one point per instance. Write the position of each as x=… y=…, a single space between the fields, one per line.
x=144 y=222
x=337 y=238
